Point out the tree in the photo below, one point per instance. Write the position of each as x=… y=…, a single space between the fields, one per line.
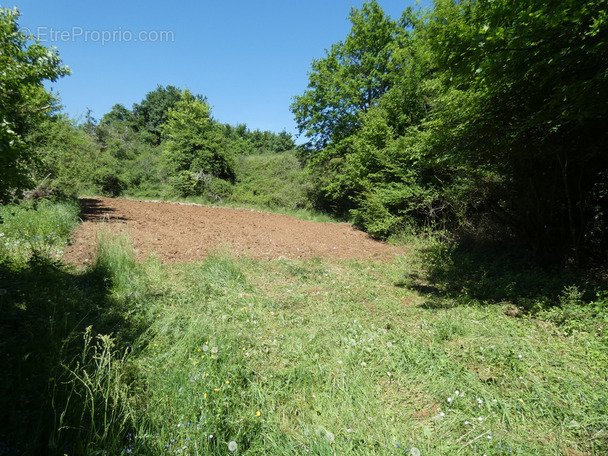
x=523 y=106
x=23 y=100
x=152 y=113
x=195 y=149
x=349 y=78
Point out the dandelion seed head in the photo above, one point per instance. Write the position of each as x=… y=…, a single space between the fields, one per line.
x=232 y=446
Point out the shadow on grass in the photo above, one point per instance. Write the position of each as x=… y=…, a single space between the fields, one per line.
x=45 y=309
x=490 y=273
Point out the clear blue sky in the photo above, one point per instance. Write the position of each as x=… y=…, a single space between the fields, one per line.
x=249 y=58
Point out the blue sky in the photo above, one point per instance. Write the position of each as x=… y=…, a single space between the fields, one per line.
x=249 y=58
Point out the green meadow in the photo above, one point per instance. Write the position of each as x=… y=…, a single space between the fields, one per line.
x=438 y=352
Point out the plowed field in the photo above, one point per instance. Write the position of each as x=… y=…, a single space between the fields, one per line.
x=184 y=233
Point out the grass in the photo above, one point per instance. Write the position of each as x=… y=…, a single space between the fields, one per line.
x=36 y=227
x=291 y=357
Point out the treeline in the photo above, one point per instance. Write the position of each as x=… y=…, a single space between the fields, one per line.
x=479 y=116
x=167 y=145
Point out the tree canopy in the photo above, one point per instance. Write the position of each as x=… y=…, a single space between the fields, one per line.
x=353 y=74
x=481 y=113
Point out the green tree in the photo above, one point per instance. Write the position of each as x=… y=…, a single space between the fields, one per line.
x=153 y=111
x=349 y=78
x=523 y=108
x=23 y=100
x=195 y=149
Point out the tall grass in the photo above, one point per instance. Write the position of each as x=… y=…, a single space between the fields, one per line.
x=290 y=357
x=36 y=228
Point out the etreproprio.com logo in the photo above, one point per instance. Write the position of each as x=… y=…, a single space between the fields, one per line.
x=74 y=34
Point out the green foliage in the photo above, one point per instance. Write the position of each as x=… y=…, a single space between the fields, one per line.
x=23 y=100
x=523 y=84
x=67 y=158
x=36 y=229
x=271 y=181
x=349 y=79
x=489 y=117
x=245 y=142
x=153 y=112
x=195 y=150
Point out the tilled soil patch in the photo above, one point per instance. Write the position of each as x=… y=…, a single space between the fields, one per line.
x=184 y=233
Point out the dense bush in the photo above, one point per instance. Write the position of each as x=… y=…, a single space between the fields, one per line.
x=493 y=111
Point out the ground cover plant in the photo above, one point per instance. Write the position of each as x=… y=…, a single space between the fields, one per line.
x=237 y=356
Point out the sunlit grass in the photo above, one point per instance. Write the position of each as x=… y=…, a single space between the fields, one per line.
x=237 y=356
x=36 y=228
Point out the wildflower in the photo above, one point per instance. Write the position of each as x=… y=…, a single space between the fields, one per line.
x=519 y=356
x=205 y=395
x=449 y=399
x=217 y=390
x=232 y=446
x=363 y=364
x=479 y=401
x=198 y=349
x=227 y=382
x=480 y=419
x=466 y=423
x=258 y=413
x=210 y=436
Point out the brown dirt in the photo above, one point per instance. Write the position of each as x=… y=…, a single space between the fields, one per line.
x=184 y=233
